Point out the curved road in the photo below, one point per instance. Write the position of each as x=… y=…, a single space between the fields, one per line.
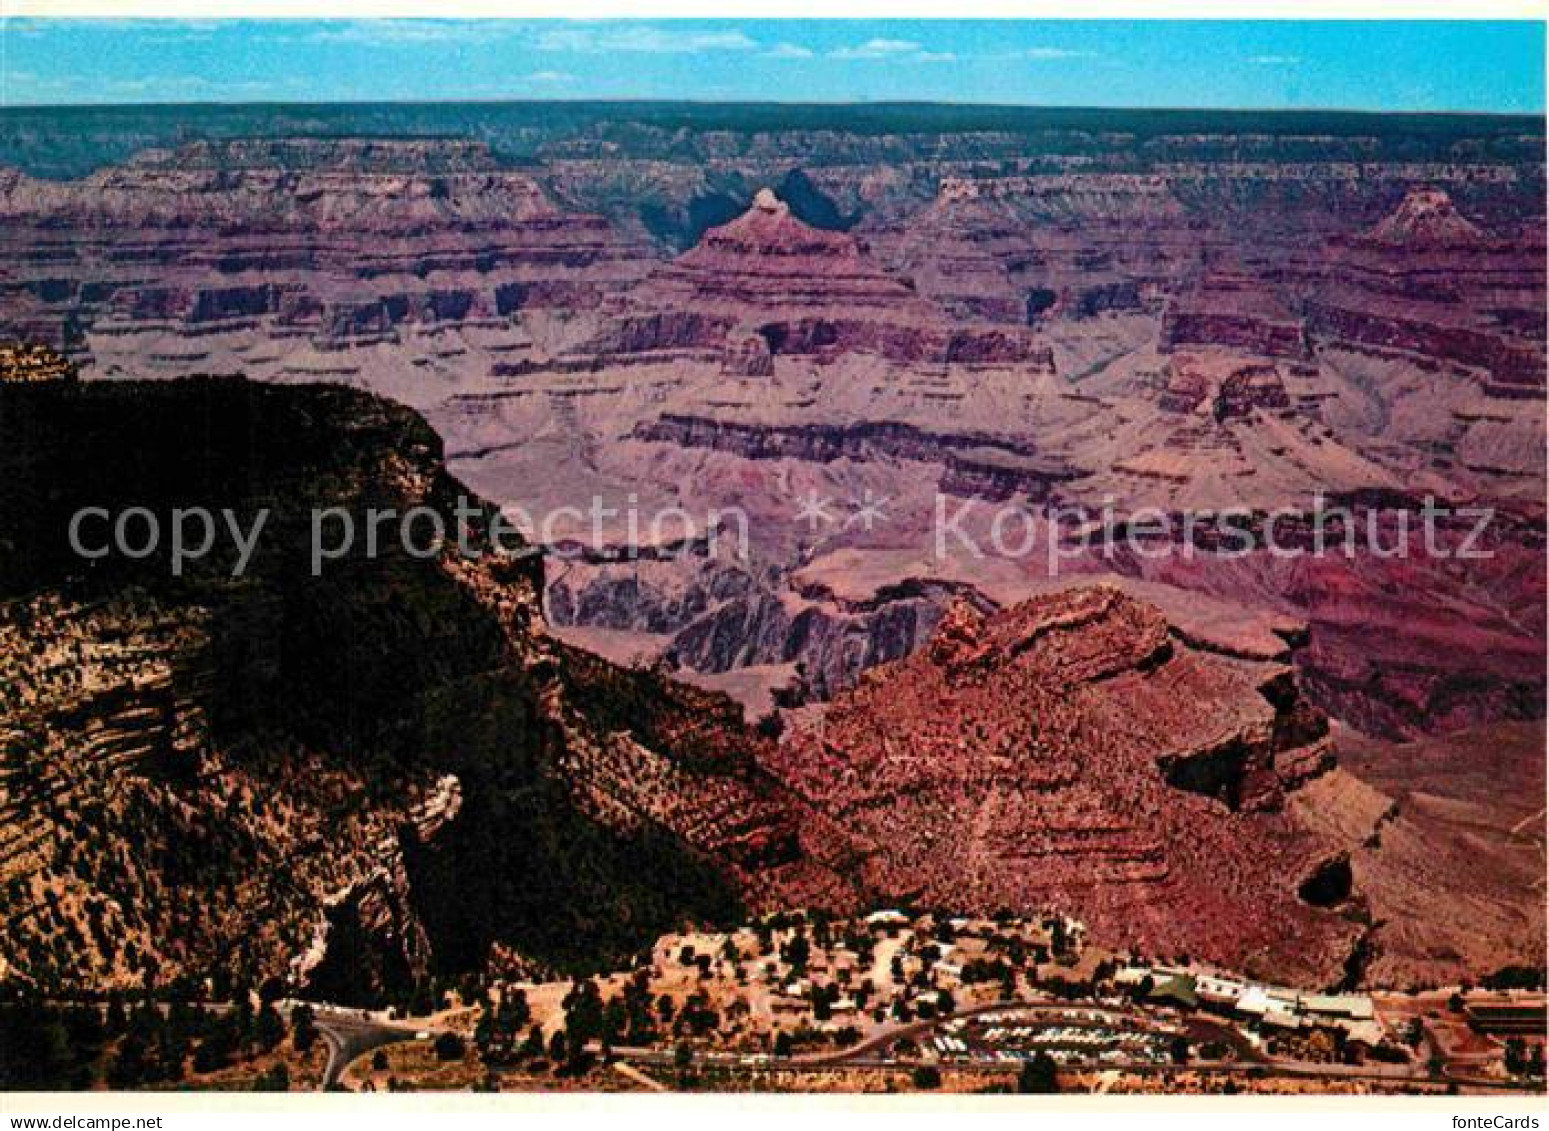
x=348 y=1035
x=865 y=1056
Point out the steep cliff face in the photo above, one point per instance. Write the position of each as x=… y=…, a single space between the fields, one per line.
x=1177 y=311
x=768 y=278
x=351 y=779
x=232 y=255
x=385 y=770
x=1427 y=281
x=279 y=183
x=1073 y=751
x=1229 y=309
x=718 y=618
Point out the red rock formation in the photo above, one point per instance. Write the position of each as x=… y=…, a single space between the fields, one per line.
x=1232 y=310
x=426 y=270
x=1071 y=751
x=339 y=242
x=1224 y=388
x=971 y=255
x=1427 y=282
x=1031 y=249
x=804 y=292
x=1425 y=217
x=768 y=258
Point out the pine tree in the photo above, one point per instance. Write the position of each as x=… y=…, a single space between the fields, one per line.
x=303 y=1027
x=268 y=1029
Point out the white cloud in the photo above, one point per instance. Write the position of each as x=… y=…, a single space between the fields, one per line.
x=788 y=51
x=1274 y=60
x=148 y=88
x=895 y=50
x=877 y=49
x=554 y=78
x=642 y=39
x=382 y=32
x=34 y=26
x=1050 y=53
x=182 y=31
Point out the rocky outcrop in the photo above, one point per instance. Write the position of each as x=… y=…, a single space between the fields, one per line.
x=822 y=443
x=1426 y=217
x=971 y=255
x=1070 y=751
x=804 y=292
x=1223 y=388
x=712 y=619
x=352 y=776
x=996 y=473
x=339 y=243
x=1437 y=332
x=1427 y=282
x=832 y=646
x=1229 y=310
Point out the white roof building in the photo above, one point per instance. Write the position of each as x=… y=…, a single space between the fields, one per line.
x=1222 y=991
x=1282 y=1016
x=1370 y=1033
x=1357 y=1007
x=1259 y=1001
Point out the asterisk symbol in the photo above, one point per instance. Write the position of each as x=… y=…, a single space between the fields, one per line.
x=813 y=509
x=870 y=511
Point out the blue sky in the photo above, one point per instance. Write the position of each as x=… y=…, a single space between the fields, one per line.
x=1397 y=65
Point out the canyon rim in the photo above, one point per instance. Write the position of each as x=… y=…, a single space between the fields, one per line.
x=863 y=594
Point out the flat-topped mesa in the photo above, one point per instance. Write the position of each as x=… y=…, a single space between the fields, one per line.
x=398 y=156
x=1073 y=751
x=1426 y=217
x=291 y=183
x=246 y=249
x=805 y=292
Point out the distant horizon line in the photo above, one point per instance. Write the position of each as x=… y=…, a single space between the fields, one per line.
x=1530 y=115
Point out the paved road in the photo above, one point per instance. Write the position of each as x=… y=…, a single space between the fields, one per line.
x=350 y=1034
x=350 y=1039
x=630 y=1072
x=871 y=1054
x=1384 y=1074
